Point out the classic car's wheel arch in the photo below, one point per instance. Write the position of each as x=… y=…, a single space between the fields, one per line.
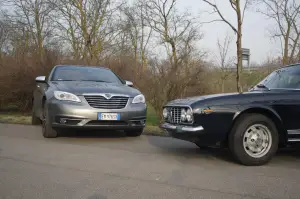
x=270 y=114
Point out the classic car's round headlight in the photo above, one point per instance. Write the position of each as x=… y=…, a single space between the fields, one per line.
x=189 y=115
x=183 y=115
x=165 y=112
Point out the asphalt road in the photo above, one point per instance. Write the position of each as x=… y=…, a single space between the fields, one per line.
x=97 y=166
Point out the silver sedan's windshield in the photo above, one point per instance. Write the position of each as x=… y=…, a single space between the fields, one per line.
x=285 y=78
x=73 y=73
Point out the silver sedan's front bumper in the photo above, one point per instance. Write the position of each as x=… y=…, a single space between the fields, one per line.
x=82 y=115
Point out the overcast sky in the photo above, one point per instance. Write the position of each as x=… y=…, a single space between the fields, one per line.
x=255 y=29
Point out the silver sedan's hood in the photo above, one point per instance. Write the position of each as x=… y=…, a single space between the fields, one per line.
x=80 y=87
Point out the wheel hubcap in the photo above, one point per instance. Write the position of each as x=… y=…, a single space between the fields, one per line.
x=257 y=140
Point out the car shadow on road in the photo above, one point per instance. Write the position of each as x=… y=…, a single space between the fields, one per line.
x=92 y=134
x=190 y=150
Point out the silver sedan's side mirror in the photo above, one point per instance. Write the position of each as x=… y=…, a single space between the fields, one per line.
x=41 y=79
x=129 y=83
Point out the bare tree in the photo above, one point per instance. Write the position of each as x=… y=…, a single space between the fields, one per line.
x=240 y=13
x=87 y=25
x=4 y=31
x=34 y=16
x=178 y=33
x=223 y=61
x=139 y=33
x=286 y=15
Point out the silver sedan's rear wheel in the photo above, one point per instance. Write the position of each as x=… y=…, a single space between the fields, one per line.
x=253 y=139
x=34 y=119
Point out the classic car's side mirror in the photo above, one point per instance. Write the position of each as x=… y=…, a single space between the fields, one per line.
x=129 y=83
x=41 y=79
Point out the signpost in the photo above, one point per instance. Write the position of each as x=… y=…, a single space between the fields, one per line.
x=246 y=56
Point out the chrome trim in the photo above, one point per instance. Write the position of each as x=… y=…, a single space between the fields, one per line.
x=168 y=126
x=294 y=132
x=184 y=128
x=293 y=140
x=192 y=129
x=104 y=95
x=180 y=106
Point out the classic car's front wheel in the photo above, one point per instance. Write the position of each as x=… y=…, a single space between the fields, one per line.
x=253 y=139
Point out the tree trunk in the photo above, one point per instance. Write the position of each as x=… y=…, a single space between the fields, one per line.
x=285 y=59
x=239 y=47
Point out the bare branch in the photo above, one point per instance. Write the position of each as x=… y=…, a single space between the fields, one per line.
x=221 y=15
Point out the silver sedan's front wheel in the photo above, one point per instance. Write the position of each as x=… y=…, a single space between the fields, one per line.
x=253 y=139
x=48 y=131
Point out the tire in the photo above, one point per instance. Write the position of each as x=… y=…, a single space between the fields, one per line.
x=243 y=151
x=134 y=133
x=34 y=119
x=48 y=131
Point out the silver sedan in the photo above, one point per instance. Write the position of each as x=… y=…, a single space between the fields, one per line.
x=87 y=97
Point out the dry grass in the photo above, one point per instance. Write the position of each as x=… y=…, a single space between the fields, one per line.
x=15 y=118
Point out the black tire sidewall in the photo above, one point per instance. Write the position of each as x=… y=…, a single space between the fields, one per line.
x=134 y=132
x=34 y=119
x=48 y=132
x=237 y=134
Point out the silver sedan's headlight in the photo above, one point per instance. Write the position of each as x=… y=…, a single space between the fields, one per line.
x=65 y=96
x=139 y=99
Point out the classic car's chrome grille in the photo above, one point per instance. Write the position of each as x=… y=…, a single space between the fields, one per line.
x=115 y=102
x=174 y=115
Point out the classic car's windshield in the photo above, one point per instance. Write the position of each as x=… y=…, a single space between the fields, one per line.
x=74 y=73
x=285 y=78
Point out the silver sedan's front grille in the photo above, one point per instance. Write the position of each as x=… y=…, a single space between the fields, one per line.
x=115 y=102
x=174 y=115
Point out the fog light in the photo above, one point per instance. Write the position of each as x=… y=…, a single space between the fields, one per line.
x=63 y=120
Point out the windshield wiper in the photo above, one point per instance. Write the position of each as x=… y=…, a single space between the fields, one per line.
x=262 y=86
x=94 y=81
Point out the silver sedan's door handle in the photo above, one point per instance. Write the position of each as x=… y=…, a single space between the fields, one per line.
x=38 y=86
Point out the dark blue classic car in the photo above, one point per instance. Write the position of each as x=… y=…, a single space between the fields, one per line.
x=252 y=124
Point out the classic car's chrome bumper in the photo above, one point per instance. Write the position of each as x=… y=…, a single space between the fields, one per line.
x=189 y=133
x=168 y=126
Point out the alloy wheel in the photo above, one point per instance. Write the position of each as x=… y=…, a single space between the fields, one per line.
x=257 y=140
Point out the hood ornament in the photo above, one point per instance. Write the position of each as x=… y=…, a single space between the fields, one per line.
x=107 y=95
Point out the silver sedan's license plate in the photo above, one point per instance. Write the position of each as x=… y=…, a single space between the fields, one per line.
x=108 y=116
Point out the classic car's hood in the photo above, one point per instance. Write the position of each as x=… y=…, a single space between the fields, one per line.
x=80 y=87
x=229 y=98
